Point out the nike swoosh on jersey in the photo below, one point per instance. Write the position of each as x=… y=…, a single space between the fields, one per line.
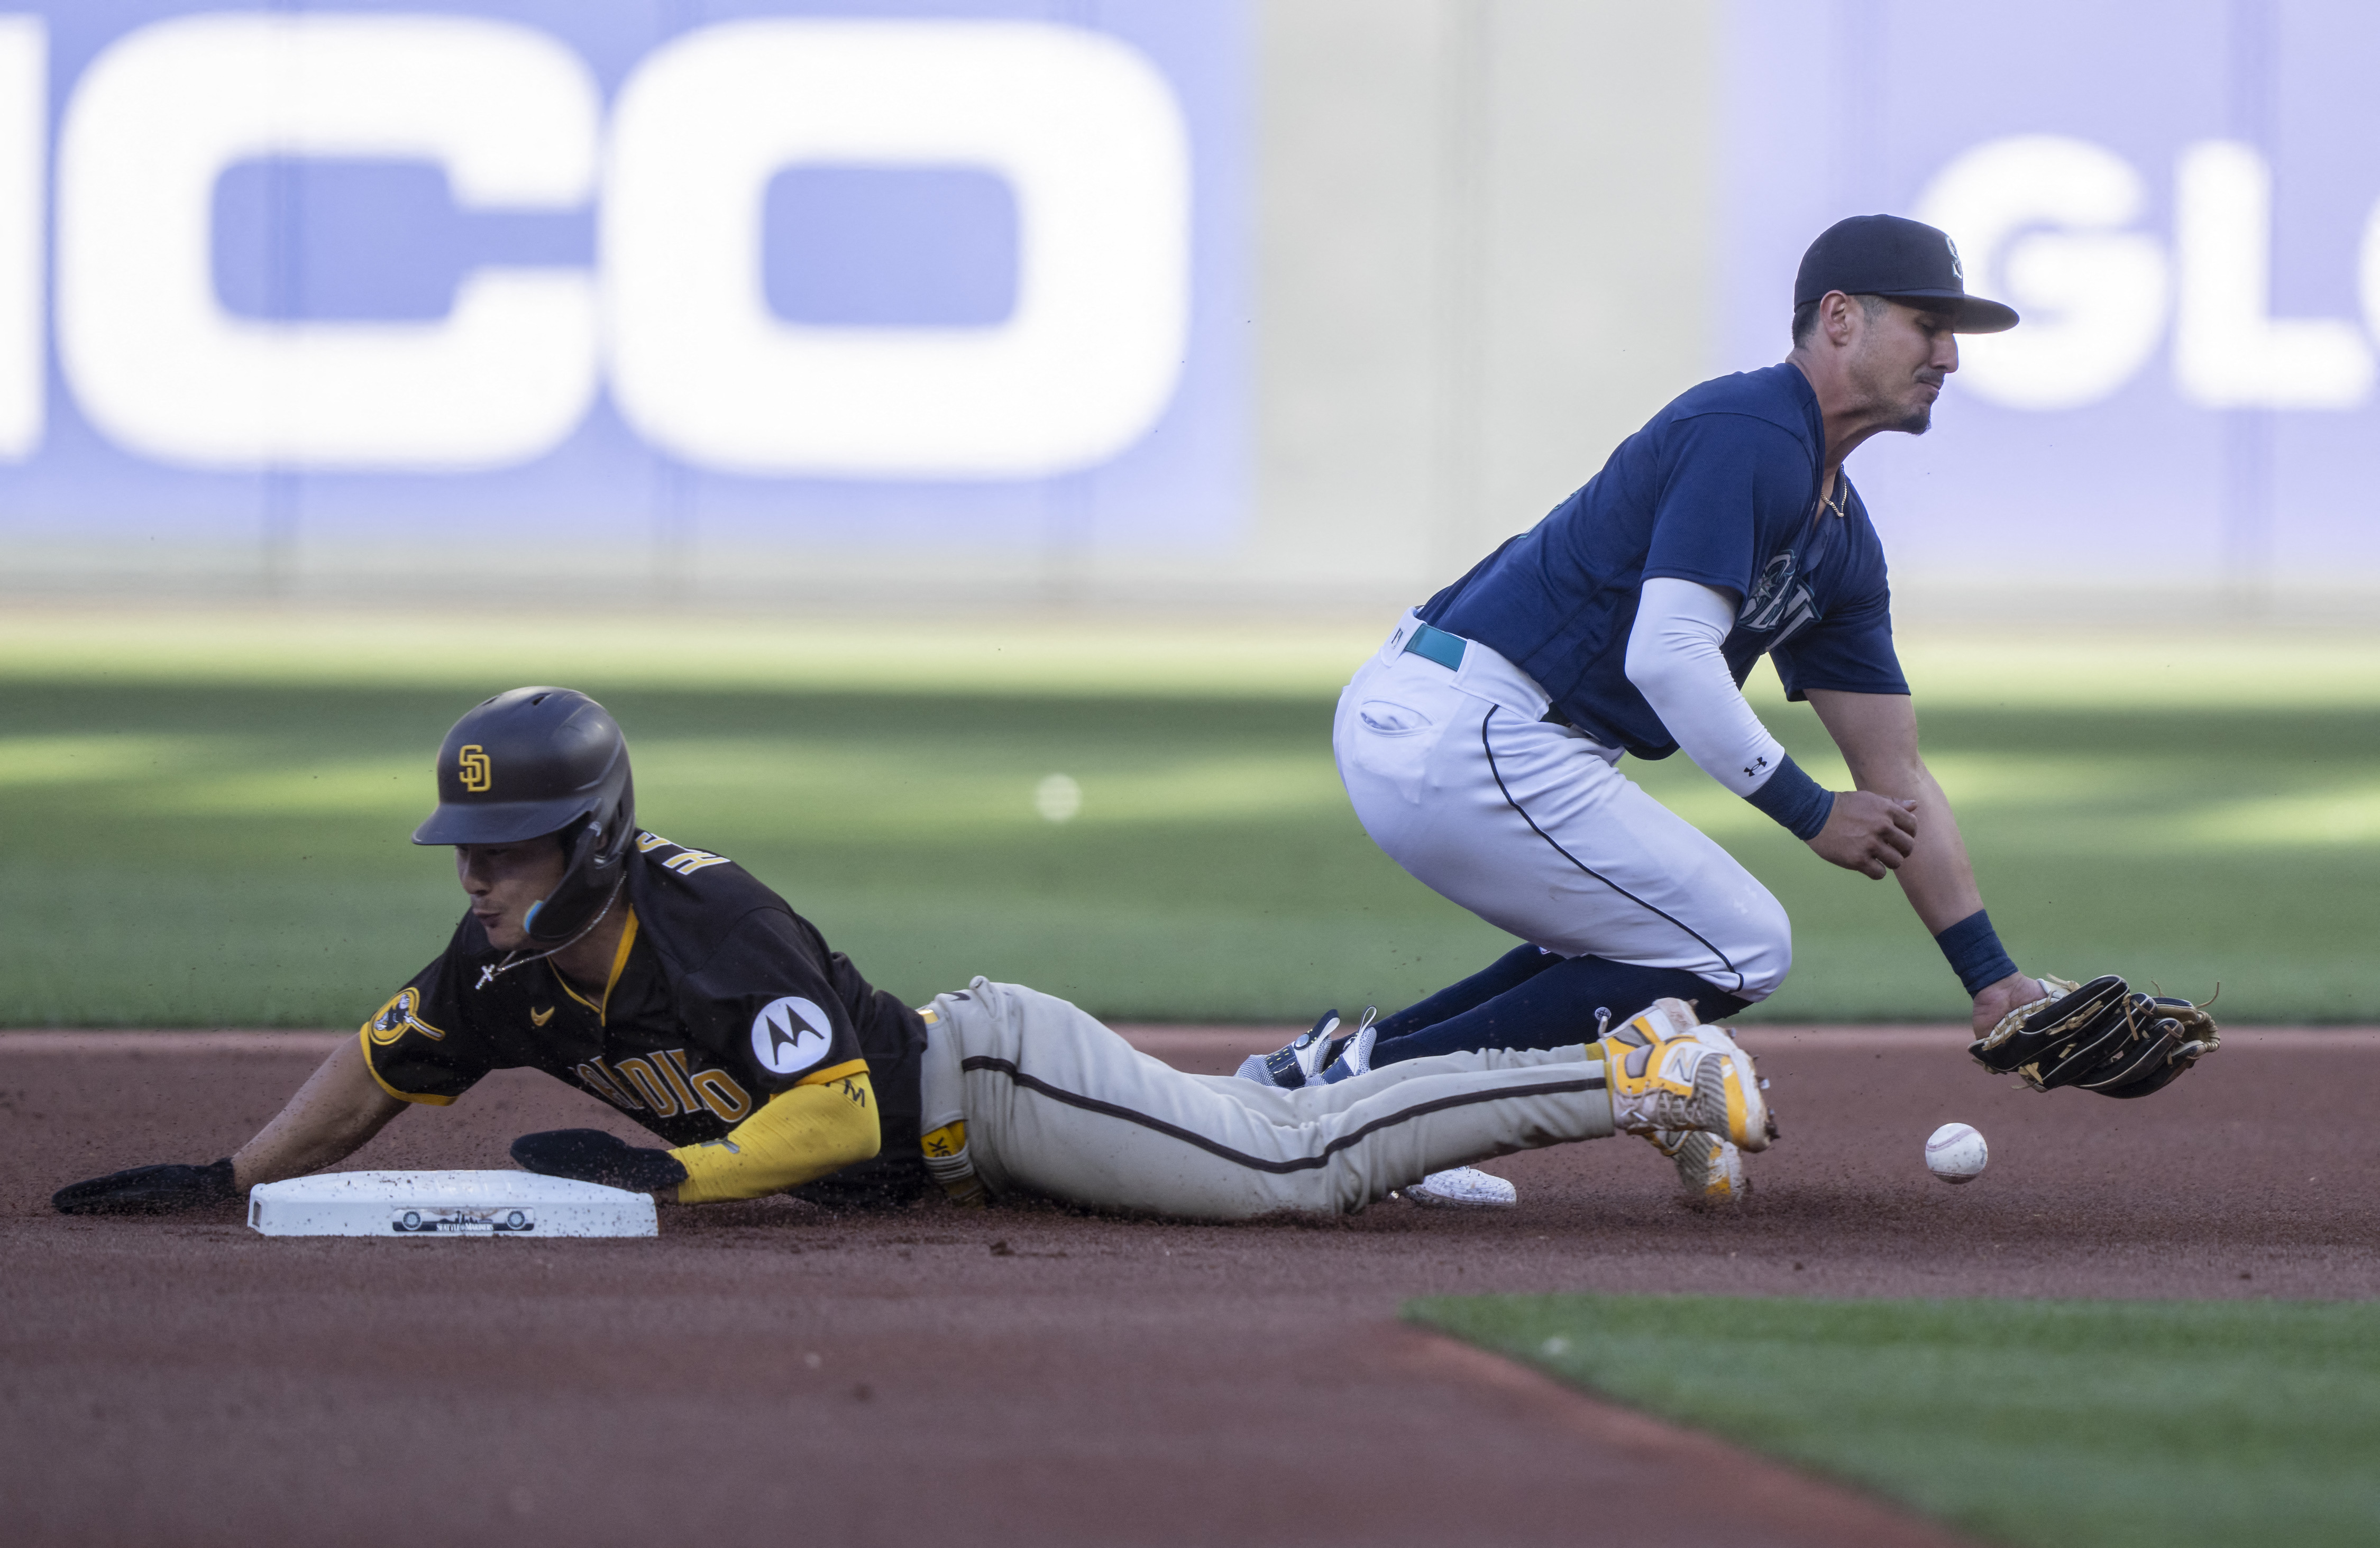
x=538 y=1018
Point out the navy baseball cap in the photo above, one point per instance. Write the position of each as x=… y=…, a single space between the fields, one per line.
x=1903 y=260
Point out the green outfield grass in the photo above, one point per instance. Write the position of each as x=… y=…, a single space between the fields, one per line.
x=2051 y=1424
x=208 y=815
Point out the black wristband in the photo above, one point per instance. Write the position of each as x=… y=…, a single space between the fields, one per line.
x=1975 y=953
x=1794 y=800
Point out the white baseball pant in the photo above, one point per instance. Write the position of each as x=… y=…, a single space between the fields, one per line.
x=1057 y=1105
x=1459 y=779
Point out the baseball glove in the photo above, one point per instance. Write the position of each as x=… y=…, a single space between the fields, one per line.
x=591 y=1155
x=2099 y=1036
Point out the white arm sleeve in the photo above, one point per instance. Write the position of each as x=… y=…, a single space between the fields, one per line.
x=1674 y=661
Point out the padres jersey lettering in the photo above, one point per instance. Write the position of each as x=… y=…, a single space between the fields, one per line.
x=720 y=999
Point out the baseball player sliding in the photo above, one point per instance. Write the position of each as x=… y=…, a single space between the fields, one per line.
x=665 y=981
x=1481 y=746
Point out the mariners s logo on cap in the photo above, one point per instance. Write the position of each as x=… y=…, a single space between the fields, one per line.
x=790 y=1035
x=1899 y=259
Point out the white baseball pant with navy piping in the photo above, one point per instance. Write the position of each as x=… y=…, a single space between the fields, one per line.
x=1457 y=776
x=1059 y=1106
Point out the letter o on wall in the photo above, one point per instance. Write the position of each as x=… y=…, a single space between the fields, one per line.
x=1085 y=130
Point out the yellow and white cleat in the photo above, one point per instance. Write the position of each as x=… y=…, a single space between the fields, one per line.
x=1668 y=1072
x=1710 y=1170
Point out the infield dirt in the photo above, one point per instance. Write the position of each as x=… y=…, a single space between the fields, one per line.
x=771 y=1371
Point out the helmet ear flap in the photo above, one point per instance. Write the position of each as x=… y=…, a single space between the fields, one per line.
x=595 y=850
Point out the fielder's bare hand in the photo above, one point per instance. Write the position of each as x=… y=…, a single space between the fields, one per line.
x=1868 y=833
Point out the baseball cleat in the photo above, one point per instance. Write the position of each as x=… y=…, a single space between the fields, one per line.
x=1710 y=1170
x=1463 y=1187
x=1297 y=1062
x=1303 y=1061
x=1665 y=1070
x=1354 y=1055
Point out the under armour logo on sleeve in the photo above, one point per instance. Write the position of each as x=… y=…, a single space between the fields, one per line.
x=1759 y=761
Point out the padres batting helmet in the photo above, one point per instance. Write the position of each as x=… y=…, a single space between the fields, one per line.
x=536 y=761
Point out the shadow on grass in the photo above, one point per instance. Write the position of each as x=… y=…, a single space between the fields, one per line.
x=237 y=854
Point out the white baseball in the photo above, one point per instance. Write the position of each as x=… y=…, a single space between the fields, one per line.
x=1957 y=1154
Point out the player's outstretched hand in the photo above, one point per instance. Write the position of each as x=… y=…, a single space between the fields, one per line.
x=591 y=1155
x=1868 y=833
x=149 y=1191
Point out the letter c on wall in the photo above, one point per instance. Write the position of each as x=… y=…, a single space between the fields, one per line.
x=159 y=366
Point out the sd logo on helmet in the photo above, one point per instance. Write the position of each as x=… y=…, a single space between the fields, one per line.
x=565 y=772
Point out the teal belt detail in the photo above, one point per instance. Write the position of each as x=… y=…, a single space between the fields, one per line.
x=1437 y=645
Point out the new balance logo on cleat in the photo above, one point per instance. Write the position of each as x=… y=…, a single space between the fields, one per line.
x=1666 y=1072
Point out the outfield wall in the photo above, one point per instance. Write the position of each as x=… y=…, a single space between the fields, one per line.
x=1291 y=306
x=1396 y=322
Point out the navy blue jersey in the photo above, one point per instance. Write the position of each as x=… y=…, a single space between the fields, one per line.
x=1720 y=488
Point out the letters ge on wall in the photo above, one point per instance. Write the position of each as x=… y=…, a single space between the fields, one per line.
x=1071 y=145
